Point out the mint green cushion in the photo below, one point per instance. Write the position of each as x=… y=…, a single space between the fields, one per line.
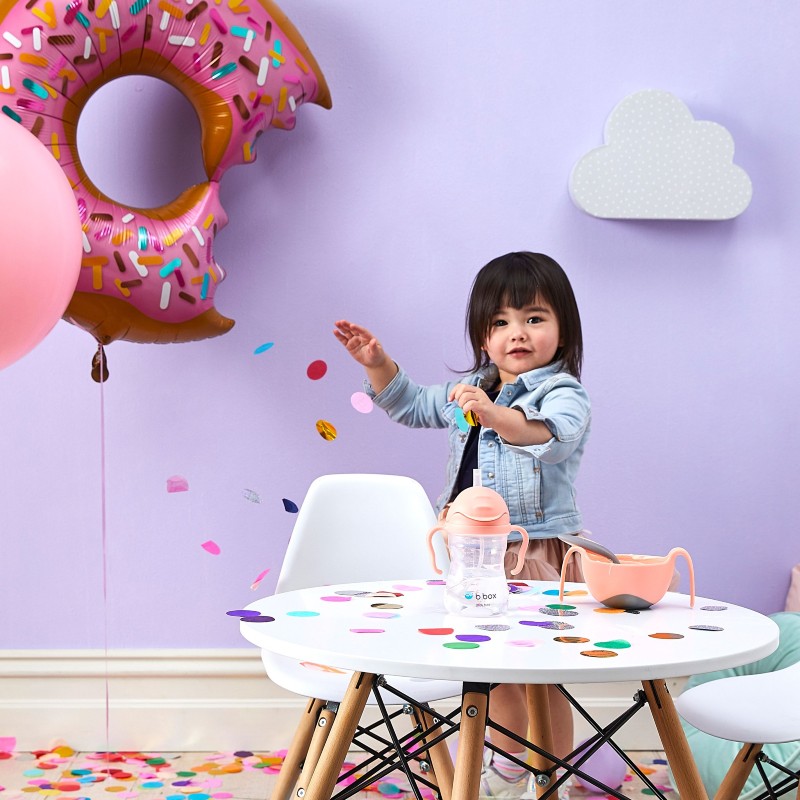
x=714 y=756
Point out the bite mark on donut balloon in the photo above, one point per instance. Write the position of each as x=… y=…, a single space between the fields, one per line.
x=149 y=274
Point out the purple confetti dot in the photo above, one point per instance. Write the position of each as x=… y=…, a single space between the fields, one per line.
x=259 y=618
x=243 y=612
x=472 y=637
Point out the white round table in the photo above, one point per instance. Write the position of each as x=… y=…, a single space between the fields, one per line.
x=401 y=628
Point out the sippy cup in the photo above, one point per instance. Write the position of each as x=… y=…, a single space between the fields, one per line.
x=476 y=529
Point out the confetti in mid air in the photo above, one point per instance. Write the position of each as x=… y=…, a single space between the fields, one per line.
x=211 y=547
x=326 y=430
x=253 y=497
x=263 y=348
x=290 y=506
x=177 y=483
x=316 y=370
x=361 y=402
x=261 y=576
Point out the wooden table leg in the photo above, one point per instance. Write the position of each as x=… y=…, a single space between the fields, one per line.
x=673 y=739
x=323 y=781
x=315 y=749
x=736 y=776
x=469 y=758
x=541 y=731
x=296 y=754
x=441 y=762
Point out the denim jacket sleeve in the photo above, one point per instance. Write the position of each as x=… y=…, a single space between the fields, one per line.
x=563 y=405
x=411 y=404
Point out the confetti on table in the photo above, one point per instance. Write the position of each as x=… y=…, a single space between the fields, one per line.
x=316 y=370
x=614 y=644
x=242 y=612
x=361 y=402
x=367 y=630
x=713 y=608
x=472 y=637
x=290 y=506
x=326 y=430
x=570 y=639
x=177 y=483
x=522 y=643
x=706 y=628
x=666 y=635
x=598 y=653
x=249 y=494
x=261 y=576
x=211 y=547
x=262 y=348
x=436 y=631
x=461 y=645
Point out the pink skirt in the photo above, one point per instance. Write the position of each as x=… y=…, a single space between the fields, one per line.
x=543 y=560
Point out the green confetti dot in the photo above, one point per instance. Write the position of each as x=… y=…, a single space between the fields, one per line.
x=614 y=644
x=461 y=645
x=560 y=606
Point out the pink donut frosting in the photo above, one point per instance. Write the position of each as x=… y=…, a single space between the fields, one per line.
x=149 y=275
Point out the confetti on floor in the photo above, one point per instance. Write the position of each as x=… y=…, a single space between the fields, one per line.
x=65 y=774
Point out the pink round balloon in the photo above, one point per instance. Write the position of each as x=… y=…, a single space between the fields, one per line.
x=40 y=241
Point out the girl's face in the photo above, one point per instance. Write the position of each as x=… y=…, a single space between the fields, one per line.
x=522 y=339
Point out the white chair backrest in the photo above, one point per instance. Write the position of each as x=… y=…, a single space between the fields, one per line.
x=359 y=528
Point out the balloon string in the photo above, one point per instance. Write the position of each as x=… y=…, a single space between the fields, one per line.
x=102 y=358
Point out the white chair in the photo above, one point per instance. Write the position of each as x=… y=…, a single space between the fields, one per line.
x=757 y=710
x=350 y=528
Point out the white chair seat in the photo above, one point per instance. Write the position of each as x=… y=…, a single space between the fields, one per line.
x=762 y=708
x=318 y=680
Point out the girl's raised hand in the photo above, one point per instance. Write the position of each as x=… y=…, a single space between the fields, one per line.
x=360 y=343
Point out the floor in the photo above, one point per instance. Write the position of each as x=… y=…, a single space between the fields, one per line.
x=63 y=774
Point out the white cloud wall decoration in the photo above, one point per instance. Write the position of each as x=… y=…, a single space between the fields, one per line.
x=658 y=162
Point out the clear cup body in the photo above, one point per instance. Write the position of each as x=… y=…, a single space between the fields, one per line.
x=476 y=581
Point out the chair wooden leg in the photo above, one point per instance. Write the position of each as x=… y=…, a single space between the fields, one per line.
x=541 y=731
x=314 y=750
x=469 y=759
x=736 y=776
x=296 y=754
x=323 y=781
x=441 y=762
x=673 y=739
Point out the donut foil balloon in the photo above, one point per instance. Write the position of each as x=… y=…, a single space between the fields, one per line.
x=149 y=274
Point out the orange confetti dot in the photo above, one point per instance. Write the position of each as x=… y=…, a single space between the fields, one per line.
x=326 y=430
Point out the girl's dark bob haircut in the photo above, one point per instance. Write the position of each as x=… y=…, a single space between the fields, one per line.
x=516 y=280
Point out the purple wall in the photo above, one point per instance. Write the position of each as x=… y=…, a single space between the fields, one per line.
x=454 y=129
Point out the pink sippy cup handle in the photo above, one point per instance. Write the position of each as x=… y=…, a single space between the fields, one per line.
x=430 y=546
x=567 y=555
x=522 y=550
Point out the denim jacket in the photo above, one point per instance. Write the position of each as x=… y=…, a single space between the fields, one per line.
x=536 y=481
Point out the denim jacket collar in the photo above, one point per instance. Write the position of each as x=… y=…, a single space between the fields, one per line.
x=530 y=380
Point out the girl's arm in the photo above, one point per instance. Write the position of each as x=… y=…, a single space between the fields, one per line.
x=368 y=352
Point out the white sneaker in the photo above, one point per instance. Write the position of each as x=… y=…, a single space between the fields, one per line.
x=495 y=785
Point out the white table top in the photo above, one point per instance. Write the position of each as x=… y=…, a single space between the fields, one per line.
x=401 y=628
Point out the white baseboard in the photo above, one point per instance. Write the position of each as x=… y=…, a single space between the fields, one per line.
x=196 y=700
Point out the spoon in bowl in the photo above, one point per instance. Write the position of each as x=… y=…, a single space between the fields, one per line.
x=589 y=544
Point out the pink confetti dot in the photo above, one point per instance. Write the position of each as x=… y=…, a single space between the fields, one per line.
x=335 y=599
x=177 y=483
x=367 y=630
x=361 y=402
x=522 y=643
x=261 y=576
x=211 y=547
x=316 y=370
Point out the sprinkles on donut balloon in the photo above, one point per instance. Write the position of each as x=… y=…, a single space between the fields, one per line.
x=149 y=275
